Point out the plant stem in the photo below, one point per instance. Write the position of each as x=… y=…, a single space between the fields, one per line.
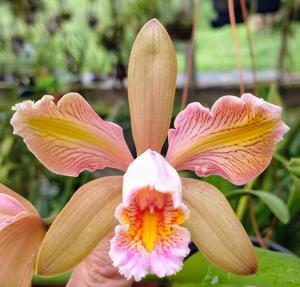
x=285 y=33
x=250 y=45
x=254 y=223
x=270 y=230
x=281 y=159
x=237 y=44
x=190 y=56
x=242 y=205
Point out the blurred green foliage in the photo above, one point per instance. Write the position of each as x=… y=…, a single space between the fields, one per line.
x=276 y=270
x=64 y=39
x=68 y=38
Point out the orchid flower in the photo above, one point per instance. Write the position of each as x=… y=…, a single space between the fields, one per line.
x=156 y=211
x=21 y=234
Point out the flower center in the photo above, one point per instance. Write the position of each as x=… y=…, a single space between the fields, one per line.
x=149 y=238
x=150 y=217
x=149 y=229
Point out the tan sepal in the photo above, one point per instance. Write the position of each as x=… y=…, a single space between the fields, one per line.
x=82 y=224
x=216 y=230
x=151 y=86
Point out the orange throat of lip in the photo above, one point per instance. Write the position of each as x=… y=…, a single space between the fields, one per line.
x=149 y=229
x=150 y=216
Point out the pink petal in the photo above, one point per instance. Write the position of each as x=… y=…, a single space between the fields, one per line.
x=69 y=137
x=11 y=210
x=235 y=139
x=24 y=203
x=10 y=205
x=135 y=262
x=150 y=169
x=6 y=220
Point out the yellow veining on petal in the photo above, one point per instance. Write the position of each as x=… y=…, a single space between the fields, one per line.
x=237 y=136
x=68 y=136
x=65 y=130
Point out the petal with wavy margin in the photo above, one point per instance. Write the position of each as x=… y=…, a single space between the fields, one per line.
x=86 y=219
x=216 y=230
x=69 y=137
x=165 y=259
x=235 y=139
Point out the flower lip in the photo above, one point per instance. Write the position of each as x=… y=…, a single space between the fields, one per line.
x=149 y=238
x=164 y=260
x=151 y=170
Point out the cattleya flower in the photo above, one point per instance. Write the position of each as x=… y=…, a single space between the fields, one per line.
x=157 y=211
x=21 y=234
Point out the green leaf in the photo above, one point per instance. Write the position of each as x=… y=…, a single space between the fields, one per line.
x=294 y=166
x=275 y=204
x=294 y=197
x=275 y=270
x=274 y=96
x=6 y=145
x=53 y=281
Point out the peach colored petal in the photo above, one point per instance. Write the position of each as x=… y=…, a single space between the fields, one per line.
x=23 y=202
x=82 y=224
x=151 y=86
x=97 y=270
x=235 y=139
x=19 y=243
x=69 y=137
x=10 y=205
x=216 y=230
x=11 y=210
x=150 y=169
